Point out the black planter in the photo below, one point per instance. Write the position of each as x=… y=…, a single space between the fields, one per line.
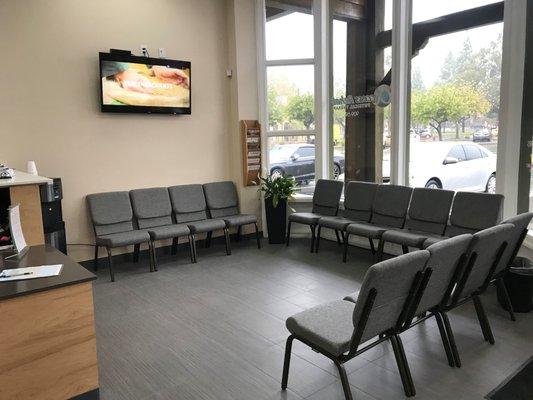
x=276 y=221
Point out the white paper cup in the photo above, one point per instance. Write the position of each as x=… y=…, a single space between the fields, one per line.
x=32 y=168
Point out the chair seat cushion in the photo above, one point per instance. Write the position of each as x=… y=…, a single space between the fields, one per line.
x=366 y=229
x=206 y=225
x=328 y=326
x=123 y=238
x=406 y=237
x=432 y=240
x=306 y=218
x=352 y=297
x=337 y=223
x=169 y=231
x=240 y=219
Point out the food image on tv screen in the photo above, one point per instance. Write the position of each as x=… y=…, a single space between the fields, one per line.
x=132 y=84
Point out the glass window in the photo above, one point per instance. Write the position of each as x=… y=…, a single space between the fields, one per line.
x=306 y=151
x=458 y=152
x=359 y=131
x=293 y=156
x=455 y=99
x=283 y=40
x=339 y=95
x=290 y=101
x=472 y=152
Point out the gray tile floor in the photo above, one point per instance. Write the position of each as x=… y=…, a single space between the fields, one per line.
x=216 y=331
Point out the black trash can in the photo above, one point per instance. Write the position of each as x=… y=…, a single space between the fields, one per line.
x=519 y=284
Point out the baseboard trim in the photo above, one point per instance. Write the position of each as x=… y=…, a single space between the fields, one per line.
x=92 y=395
x=166 y=250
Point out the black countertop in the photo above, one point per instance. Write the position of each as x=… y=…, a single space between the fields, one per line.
x=71 y=273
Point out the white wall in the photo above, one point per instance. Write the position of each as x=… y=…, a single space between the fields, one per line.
x=49 y=105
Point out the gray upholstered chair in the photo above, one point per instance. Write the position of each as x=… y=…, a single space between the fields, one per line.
x=337 y=329
x=485 y=252
x=112 y=219
x=388 y=211
x=428 y=216
x=471 y=212
x=325 y=203
x=358 y=200
x=223 y=203
x=153 y=212
x=190 y=208
x=447 y=260
x=519 y=233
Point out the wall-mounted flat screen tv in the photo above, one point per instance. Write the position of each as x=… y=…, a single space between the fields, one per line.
x=131 y=84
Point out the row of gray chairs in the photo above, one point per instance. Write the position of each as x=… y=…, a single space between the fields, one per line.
x=426 y=283
x=402 y=215
x=147 y=215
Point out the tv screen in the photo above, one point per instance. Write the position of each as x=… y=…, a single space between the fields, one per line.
x=144 y=85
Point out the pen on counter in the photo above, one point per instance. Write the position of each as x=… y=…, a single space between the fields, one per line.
x=11 y=276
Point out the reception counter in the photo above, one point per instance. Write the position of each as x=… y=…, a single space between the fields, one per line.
x=47 y=334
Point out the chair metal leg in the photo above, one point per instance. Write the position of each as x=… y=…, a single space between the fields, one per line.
x=257 y=236
x=288 y=233
x=372 y=247
x=174 y=248
x=208 y=239
x=228 y=247
x=405 y=249
x=339 y=242
x=402 y=368
x=344 y=381
x=239 y=233
x=191 y=248
x=451 y=339
x=445 y=341
x=110 y=262
x=136 y=251
x=95 y=265
x=483 y=320
x=319 y=230
x=153 y=260
x=503 y=289
x=313 y=237
x=194 y=251
x=406 y=366
x=287 y=362
x=346 y=244
x=381 y=245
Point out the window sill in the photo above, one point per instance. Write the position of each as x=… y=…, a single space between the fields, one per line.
x=528 y=241
x=304 y=198
x=301 y=198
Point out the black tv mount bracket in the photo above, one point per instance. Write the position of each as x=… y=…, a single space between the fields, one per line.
x=118 y=51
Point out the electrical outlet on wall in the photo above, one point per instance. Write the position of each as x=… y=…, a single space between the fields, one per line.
x=144 y=50
x=162 y=52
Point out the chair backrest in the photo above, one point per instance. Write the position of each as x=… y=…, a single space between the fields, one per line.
x=221 y=198
x=151 y=207
x=110 y=212
x=516 y=238
x=188 y=203
x=358 y=200
x=429 y=210
x=393 y=280
x=446 y=260
x=472 y=212
x=327 y=196
x=390 y=205
x=485 y=251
